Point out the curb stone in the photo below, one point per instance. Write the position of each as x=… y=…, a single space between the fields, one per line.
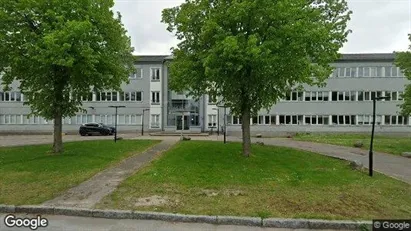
x=73 y=212
x=174 y=217
x=34 y=209
x=7 y=209
x=247 y=221
x=113 y=214
x=286 y=223
x=222 y=220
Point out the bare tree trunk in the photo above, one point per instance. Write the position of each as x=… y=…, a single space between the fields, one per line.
x=245 y=126
x=58 y=139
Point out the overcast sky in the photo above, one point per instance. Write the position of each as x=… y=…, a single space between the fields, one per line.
x=377 y=25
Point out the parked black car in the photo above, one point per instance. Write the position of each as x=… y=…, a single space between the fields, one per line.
x=96 y=129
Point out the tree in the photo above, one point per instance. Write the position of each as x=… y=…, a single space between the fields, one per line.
x=251 y=52
x=62 y=50
x=403 y=61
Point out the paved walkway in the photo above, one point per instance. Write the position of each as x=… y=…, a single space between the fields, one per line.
x=100 y=224
x=90 y=192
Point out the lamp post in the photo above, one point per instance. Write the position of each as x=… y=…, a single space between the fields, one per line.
x=115 y=122
x=142 y=122
x=370 y=156
x=218 y=120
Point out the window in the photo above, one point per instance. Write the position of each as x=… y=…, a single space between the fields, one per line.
x=334 y=96
x=307 y=119
x=394 y=96
x=387 y=71
x=266 y=119
x=155 y=121
x=127 y=96
x=373 y=71
x=394 y=120
x=260 y=119
x=366 y=72
x=155 y=74
x=325 y=96
x=287 y=96
x=212 y=99
x=255 y=120
x=137 y=74
x=373 y=94
x=341 y=72
x=388 y=93
x=353 y=95
x=360 y=71
x=348 y=72
x=360 y=96
x=212 y=120
x=307 y=96
x=236 y=120
x=18 y=96
x=287 y=119
x=108 y=96
x=155 y=97
x=139 y=96
x=387 y=119
x=367 y=96
x=132 y=96
x=273 y=119
x=300 y=96
x=394 y=71
x=347 y=96
x=320 y=96
x=340 y=96
x=294 y=96
x=313 y=96
x=114 y=96
x=282 y=119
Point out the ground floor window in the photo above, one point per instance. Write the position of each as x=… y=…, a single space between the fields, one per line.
x=155 y=121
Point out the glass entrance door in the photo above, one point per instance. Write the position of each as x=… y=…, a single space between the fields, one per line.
x=180 y=124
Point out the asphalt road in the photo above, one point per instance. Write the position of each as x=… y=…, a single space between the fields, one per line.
x=68 y=223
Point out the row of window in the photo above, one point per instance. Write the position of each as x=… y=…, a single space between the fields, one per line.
x=78 y=119
x=12 y=96
x=310 y=96
x=323 y=120
x=154 y=74
x=367 y=72
x=122 y=96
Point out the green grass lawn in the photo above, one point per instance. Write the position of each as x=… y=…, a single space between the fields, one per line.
x=388 y=144
x=32 y=175
x=203 y=177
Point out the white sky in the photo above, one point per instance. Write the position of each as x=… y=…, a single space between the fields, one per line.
x=378 y=26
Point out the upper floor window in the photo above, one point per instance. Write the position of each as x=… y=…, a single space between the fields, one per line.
x=137 y=74
x=212 y=99
x=155 y=74
x=10 y=96
x=155 y=97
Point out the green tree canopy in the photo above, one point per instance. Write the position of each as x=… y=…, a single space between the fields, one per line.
x=59 y=50
x=251 y=52
x=403 y=61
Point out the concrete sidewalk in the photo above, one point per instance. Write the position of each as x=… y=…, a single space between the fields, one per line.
x=90 y=192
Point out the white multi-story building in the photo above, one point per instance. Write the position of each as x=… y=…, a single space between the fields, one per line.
x=344 y=105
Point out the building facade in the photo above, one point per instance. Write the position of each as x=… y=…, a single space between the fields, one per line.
x=344 y=105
